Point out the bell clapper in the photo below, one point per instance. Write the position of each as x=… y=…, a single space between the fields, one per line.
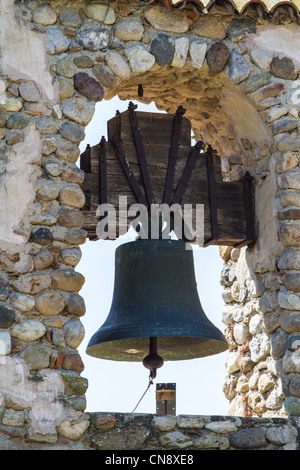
x=153 y=361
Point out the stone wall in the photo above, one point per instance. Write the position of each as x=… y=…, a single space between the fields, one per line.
x=153 y=434
x=238 y=80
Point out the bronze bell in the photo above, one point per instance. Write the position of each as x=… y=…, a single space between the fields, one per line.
x=155 y=308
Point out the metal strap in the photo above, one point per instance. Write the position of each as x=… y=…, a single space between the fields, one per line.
x=102 y=172
x=173 y=155
x=85 y=160
x=141 y=154
x=128 y=172
x=248 y=202
x=212 y=194
x=187 y=173
x=249 y=207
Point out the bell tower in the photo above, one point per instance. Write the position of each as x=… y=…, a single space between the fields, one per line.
x=232 y=65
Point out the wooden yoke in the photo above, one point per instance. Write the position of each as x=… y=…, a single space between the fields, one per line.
x=149 y=159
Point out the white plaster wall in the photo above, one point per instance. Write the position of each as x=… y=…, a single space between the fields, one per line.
x=23 y=56
x=46 y=410
x=17 y=64
x=244 y=118
x=280 y=40
x=18 y=172
x=259 y=259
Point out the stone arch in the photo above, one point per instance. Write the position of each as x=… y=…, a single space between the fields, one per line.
x=239 y=93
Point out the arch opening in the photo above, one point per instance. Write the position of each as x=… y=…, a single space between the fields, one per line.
x=221 y=115
x=220 y=112
x=122 y=384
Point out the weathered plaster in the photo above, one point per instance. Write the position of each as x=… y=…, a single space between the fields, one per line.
x=244 y=118
x=18 y=171
x=15 y=39
x=279 y=41
x=40 y=393
x=259 y=259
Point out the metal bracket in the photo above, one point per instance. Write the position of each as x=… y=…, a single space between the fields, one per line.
x=141 y=153
x=248 y=202
x=85 y=160
x=128 y=172
x=102 y=172
x=173 y=155
x=187 y=172
x=212 y=194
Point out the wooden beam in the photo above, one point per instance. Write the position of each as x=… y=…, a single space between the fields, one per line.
x=114 y=169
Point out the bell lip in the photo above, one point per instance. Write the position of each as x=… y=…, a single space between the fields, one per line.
x=166 y=332
x=157 y=331
x=130 y=332
x=120 y=351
